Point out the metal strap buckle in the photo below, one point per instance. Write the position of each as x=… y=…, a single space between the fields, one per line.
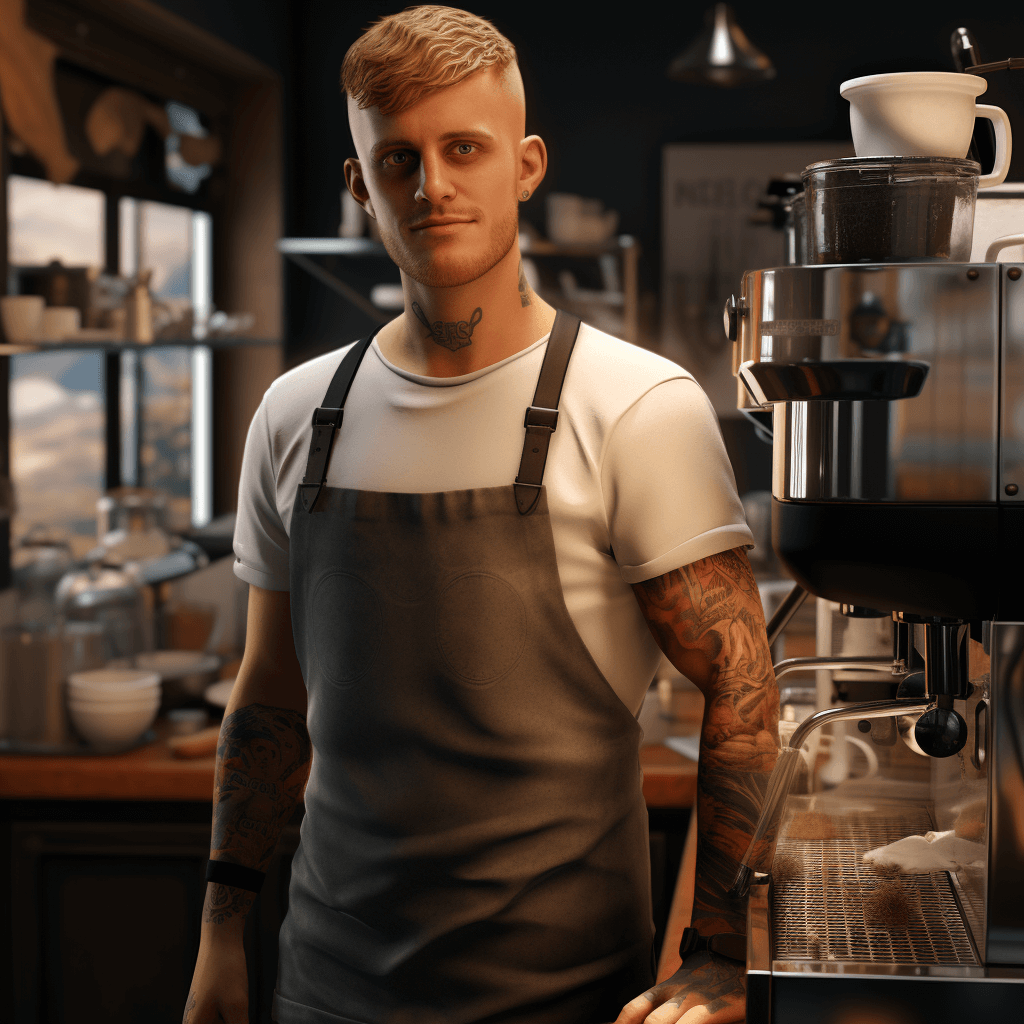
x=538 y=416
x=324 y=416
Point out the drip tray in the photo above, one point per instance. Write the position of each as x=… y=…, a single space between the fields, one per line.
x=820 y=914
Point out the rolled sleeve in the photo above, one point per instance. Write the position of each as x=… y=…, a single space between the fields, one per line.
x=669 y=488
x=261 y=540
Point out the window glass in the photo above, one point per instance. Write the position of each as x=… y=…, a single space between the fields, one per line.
x=53 y=222
x=160 y=238
x=56 y=398
x=57 y=443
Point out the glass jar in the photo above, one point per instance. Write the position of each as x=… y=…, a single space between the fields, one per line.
x=130 y=524
x=890 y=209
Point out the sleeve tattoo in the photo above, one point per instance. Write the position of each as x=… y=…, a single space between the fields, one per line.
x=263 y=761
x=707 y=618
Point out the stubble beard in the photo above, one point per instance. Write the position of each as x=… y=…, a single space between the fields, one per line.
x=425 y=268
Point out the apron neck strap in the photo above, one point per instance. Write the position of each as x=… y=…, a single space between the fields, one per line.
x=542 y=417
x=540 y=420
x=327 y=422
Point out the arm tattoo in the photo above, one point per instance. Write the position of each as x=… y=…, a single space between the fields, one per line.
x=263 y=761
x=451 y=334
x=707 y=618
x=524 y=288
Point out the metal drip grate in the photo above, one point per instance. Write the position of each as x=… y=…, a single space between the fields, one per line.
x=820 y=914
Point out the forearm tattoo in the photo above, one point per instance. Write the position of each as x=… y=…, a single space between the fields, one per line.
x=450 y=334
x=707 y=618
x=263 y=762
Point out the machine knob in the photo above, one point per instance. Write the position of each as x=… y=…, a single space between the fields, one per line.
x=941 y=732
x=730 y=318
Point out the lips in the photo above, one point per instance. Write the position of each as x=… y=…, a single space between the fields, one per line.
x=439 y=222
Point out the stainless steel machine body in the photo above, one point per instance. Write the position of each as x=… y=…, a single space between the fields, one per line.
x=898 y=484
x=898 y=396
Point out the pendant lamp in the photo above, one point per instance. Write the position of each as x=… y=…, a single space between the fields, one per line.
x=721 y=54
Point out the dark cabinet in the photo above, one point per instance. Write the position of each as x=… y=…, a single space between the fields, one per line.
x=104 y=918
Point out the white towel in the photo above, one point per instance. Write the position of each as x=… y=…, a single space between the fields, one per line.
x=934 y=851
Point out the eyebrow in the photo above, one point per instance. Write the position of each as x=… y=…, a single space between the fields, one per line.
x=468 y=134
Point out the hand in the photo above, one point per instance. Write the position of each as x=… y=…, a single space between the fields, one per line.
x=708 y=989
x=220 y=985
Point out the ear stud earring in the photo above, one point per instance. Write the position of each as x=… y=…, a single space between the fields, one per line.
x=526 y=195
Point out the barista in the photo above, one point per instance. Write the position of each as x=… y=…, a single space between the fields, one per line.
x=456 y=659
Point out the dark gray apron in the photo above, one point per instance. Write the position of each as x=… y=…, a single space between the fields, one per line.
x=475 y=844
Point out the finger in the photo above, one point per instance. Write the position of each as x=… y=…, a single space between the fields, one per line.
x=724 y=1015
x=699 y=1015
x=636 y=1010
x=670 y=1011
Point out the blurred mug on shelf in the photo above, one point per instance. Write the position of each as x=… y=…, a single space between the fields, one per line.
x=572 y=219
x=59 y=322
x=21 y=316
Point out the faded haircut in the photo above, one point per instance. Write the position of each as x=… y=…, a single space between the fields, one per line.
x=402 y=57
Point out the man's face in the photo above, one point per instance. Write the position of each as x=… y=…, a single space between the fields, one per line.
x=442 y=176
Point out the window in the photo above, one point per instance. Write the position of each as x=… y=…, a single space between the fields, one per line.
x=57 y=398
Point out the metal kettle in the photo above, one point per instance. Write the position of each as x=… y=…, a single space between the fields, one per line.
x=115 y=596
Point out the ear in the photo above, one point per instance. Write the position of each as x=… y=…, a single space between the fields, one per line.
x=357 y=186
x=533 y=163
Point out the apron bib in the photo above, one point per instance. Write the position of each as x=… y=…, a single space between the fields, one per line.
x=475 y=846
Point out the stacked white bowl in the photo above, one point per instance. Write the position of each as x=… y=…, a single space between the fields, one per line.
x=112 y=707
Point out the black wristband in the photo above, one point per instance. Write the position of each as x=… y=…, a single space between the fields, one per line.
x=238 y=877
x=728 y=944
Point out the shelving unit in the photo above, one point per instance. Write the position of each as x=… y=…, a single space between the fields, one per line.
x=302 y=252
x=132 y=346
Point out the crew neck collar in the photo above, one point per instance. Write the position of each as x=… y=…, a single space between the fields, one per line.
x=446 y=382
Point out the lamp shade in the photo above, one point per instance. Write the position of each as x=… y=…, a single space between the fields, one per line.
x=721 y=54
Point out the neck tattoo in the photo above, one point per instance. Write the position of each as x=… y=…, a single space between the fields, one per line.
x=451 y=334
x=524 y=288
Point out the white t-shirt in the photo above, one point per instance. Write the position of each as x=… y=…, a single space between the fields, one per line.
x=637 y=475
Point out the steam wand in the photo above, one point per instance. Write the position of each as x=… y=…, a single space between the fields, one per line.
x=785 y=768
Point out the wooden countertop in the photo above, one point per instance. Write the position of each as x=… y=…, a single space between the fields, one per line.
x=153 y=773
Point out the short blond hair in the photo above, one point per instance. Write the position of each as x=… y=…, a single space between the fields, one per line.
x=402 y=57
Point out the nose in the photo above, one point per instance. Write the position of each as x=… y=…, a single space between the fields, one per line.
x=435 y=185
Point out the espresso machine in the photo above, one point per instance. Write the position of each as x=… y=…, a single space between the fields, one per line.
x=893 y=370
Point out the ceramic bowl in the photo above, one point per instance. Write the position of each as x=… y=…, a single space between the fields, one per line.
x=184 y=675
x=113 y=706
x=106 y=727
x=113 y=683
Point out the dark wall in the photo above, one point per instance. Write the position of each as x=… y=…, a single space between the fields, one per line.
x=259 y=27
x=598 y=95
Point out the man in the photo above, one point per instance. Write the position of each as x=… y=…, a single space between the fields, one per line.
x=453 y=617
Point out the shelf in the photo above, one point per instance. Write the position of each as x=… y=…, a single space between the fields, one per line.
x=542 y=247
x=121 y=346
x=301 y=250
x=368 y=247
x=330 y=247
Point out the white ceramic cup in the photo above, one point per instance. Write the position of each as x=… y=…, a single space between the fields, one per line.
x=58 y=322
x=21 y=316
x=924 y=113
